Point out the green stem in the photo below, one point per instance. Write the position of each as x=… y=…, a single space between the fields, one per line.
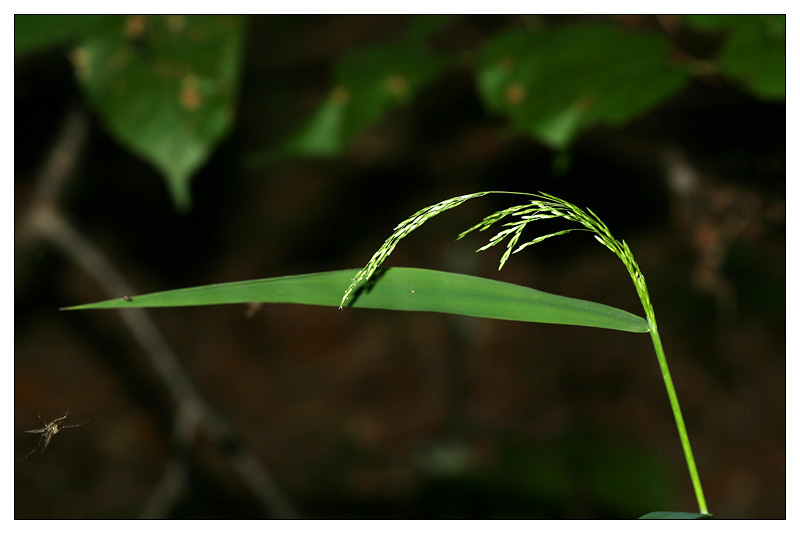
x=676 y=410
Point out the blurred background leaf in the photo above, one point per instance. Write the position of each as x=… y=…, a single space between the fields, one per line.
x=424 y=27
x=165 y=86
x=367 y=83
x=554 y=84
x=754 y=52
x=35 y=32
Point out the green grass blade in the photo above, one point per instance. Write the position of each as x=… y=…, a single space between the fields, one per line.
x=398 y=288
x=675 y=515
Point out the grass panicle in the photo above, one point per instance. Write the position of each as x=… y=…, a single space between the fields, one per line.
x=401 y=231
x=542 y=206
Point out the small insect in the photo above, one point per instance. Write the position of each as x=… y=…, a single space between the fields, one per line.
x=126 y=297
x=50 y=429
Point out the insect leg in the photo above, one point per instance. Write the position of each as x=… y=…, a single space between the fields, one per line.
x=73 y=426
x=54 y=421
x=47 y=437
x=34 y=449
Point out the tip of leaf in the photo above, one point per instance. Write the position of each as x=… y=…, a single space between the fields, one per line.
x=676 y=515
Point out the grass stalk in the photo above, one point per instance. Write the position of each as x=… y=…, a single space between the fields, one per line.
x=676 y=410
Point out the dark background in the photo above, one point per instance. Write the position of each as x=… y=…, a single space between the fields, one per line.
x=398 y=415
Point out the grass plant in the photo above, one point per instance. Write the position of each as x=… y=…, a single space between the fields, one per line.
x=411 y=289
x=542 y=206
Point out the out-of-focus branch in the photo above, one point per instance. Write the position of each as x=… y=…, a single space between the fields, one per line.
x=175 y=474
x=62 y=158
x=193 y=412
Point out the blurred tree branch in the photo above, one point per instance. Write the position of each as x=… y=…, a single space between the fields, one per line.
x=43 y=220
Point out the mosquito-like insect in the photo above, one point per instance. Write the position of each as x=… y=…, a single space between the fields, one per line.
x=50 y=429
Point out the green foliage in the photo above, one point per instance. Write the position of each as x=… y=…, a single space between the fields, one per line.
x=400 y=289
x=556 y=83
x=367 y=83
x=36 y=32
x=423 y=27
x=167 y=95
x=754 y=52
x=165 y=86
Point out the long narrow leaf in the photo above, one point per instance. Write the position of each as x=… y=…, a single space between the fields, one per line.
x=676 y=515
x=399 y=288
